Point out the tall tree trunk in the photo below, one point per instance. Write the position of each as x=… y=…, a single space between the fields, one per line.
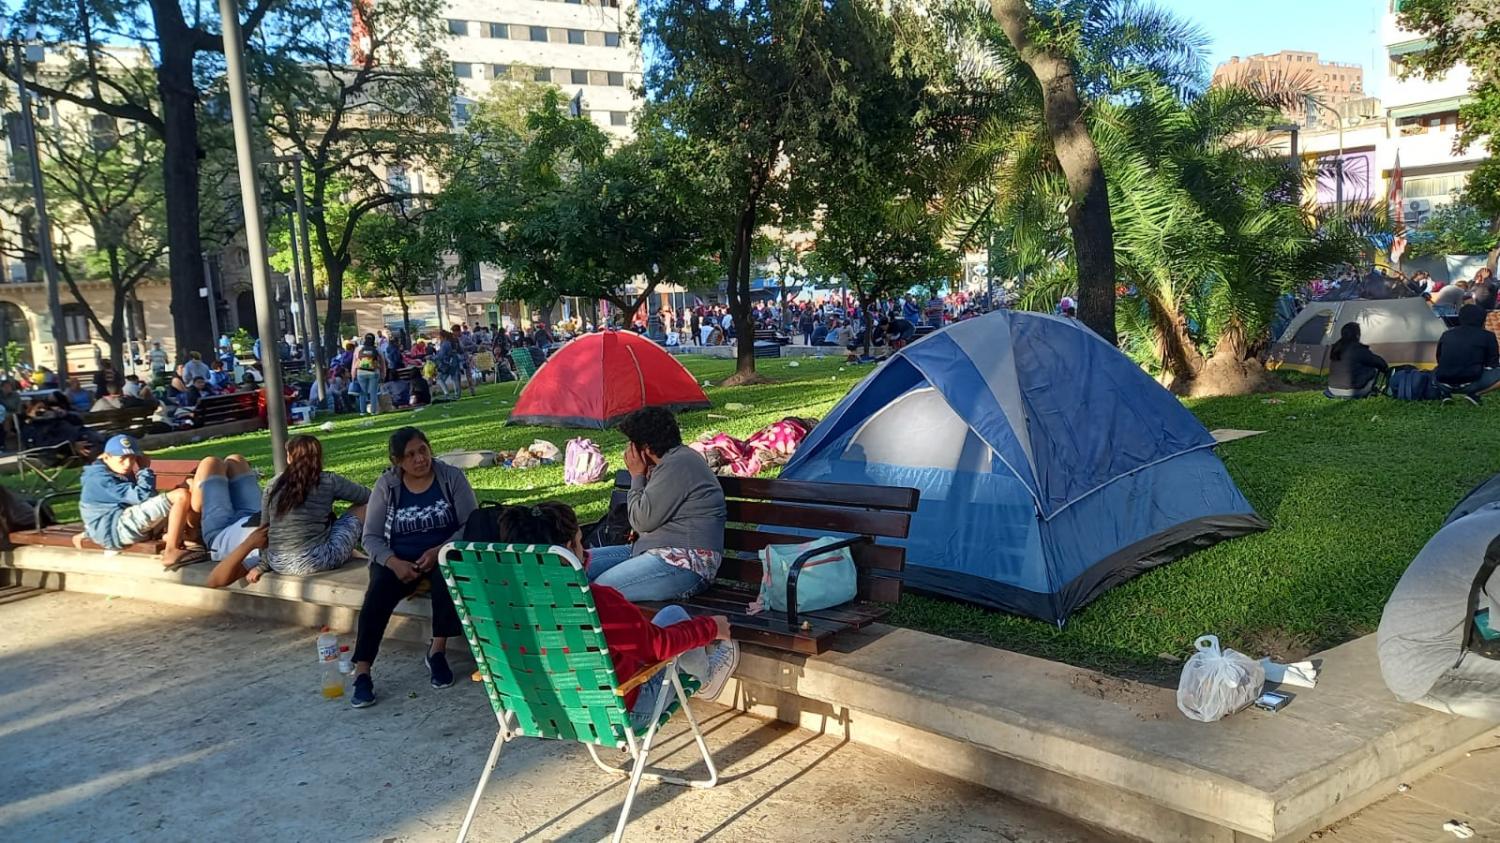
x=405 y=311
x=116 y=336
x=1088 y=207
x=331 y=326
x=190 y=318
x=739 y=299
x=1174 y=345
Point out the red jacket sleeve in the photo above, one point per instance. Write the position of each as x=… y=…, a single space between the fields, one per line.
x=631 y=636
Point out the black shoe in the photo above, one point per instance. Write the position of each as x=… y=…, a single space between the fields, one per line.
x=442 y=674
x=1472 y=399
x=364 y=691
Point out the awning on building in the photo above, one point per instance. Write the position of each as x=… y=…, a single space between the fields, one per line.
x=1429 y=107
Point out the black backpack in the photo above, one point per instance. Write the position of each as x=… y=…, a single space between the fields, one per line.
x=484 y=522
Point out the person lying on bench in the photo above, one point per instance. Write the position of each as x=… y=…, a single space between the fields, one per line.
x=120 y=505
x=634 y=642
x=225 y=502
x=306 y=536
x=676 y=507
x=1468 y=356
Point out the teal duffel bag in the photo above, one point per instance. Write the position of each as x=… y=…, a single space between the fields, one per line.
x=827 y=579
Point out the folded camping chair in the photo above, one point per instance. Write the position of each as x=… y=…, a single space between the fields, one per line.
x=525 y=366
x=530 y=620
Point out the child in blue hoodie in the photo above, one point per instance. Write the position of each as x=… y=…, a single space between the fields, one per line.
x=120 y=504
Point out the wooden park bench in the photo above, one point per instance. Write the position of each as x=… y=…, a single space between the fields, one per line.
x=229 y=407
x=169 y=475
x=759 y=510
x=135 y=421
x=771 y=335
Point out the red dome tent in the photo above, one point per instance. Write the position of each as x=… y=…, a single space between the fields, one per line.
x=598 y=379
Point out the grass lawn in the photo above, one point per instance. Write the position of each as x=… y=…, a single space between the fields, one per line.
x=1353 y=490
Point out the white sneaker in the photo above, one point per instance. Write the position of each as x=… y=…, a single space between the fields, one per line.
x=722 y=661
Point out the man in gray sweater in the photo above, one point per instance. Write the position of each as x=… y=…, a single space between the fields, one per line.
x=677 y=512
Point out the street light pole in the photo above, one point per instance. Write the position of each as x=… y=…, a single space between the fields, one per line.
x=255 y=233
x=43 y=222
x=1293 y=160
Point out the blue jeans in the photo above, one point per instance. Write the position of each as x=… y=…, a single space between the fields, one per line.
x=694 y=663
x=227 y=502
x=641 y=577
x=369 y=391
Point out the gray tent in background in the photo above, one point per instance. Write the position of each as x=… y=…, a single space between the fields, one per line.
x=1423 y=635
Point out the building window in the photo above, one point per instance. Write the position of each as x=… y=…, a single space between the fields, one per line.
x=499 y=71
x=580 y=77
x=575 y=2
x=619 y=118
x=539 y=33
x=611 y=39
x=14 y=329
x=460 y=113
x=575 y=36
x=542 y=74
x=75 y=321
x=458 y=27
x=498 y=30
x=463 y=70
x=616 y=79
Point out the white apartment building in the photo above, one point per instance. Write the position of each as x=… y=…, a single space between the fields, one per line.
x=1422 y=125
x=578 y=46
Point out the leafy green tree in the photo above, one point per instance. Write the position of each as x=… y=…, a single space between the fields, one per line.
x=103 y=184
x=1466 y=32
x=563 y=214
x=1207 y=233
x=396 y=254
x=145 y=64
x=363 y=124
x=758 y=88
x=1456 y=229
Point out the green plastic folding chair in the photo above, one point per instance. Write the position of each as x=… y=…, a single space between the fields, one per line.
x=531 y=623
x=524 y=365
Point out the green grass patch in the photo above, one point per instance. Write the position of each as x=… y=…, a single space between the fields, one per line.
x=1352 y=489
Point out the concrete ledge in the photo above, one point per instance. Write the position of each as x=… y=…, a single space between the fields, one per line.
x=1106 y=751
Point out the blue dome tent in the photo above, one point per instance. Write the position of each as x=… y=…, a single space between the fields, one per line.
x=1051 y=467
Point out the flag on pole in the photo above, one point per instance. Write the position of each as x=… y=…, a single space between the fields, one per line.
x=1398 y=213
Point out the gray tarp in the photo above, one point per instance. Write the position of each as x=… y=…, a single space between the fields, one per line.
x=1426 y=621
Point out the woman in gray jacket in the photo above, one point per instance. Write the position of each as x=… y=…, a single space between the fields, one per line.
x=417 y=506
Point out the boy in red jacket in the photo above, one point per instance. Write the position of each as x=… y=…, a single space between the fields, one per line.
x=635 y=642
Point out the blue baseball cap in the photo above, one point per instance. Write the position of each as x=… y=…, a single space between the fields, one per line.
x=121 y=445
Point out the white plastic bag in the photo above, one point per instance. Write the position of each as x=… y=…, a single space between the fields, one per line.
x=1216 y=683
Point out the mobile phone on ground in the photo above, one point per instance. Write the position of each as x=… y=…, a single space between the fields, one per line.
x=1272 y=701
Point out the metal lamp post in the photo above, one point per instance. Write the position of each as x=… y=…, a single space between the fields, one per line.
x=43 y=222
x=255 y=234
x=1338 y=166
x=1292 y=129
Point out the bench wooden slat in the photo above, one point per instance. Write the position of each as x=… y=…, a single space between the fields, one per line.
x=880 y=557
x=867 y=522
x=61 y=535
x=826 y=494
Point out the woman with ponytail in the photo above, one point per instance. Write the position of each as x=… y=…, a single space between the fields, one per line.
x=305 y=535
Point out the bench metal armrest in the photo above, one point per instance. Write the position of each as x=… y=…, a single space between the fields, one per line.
x=36 y=508
x=796 y=571
x=641 y=676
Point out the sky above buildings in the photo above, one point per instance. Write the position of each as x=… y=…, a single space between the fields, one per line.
x=1337 y=30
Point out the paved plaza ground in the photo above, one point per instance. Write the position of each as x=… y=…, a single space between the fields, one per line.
x=125 y=720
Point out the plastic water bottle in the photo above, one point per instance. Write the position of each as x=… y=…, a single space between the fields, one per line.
x=328 y=663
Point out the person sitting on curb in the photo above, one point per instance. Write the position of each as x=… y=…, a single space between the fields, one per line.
x=676 y=506
x=634 y=642
x=418 y=505
x=120 y=505
x=306 y=535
